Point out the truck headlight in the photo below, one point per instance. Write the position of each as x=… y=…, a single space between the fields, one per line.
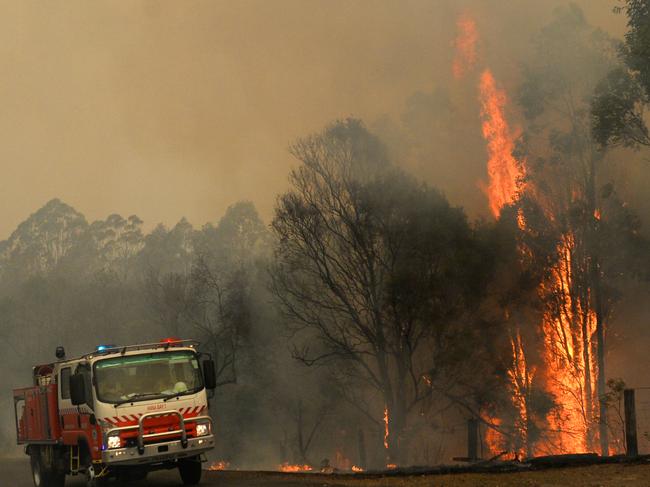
x=202 y=429
x=113 y=441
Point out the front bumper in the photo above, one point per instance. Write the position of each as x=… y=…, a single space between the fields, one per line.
x=158 y=452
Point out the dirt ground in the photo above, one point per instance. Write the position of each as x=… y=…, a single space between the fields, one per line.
x=15 y=473
x=592 y=476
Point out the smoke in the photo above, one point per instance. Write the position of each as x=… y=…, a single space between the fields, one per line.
x=169 y=109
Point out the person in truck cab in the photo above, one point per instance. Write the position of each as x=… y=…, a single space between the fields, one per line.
x=112 y=391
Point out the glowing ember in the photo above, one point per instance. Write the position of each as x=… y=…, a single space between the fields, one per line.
x=386 y=432
x=356 y=469
x=287 y=467
x=505 y=173
x=391 y=466
x=465 y=46
x=220 y=465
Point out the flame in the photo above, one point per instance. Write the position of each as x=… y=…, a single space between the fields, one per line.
x=494 y=440
x=287 y=467
x=521 y=376
x=465 y=44
x=356 y=469
x=568 y=369
x=391 y=466
x=504 y=172
x=569 y=325
x=386 y=432
x=220 y=465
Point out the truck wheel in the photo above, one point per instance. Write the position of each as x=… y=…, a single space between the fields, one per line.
x=190 y=470
x=44 y=475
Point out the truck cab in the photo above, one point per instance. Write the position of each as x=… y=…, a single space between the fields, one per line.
x=118 y=412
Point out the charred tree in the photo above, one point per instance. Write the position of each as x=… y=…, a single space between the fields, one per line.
x=372 y=268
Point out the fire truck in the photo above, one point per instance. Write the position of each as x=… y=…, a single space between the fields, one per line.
x=118 y=412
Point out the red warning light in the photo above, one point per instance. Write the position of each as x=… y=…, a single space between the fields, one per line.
x=170 y=340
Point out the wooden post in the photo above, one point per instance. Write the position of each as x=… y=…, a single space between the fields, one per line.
x=472 y=440
x=632 y=446
x=362 y=450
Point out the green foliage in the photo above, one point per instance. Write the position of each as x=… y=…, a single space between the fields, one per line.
x=616 y=119
x=636 y=50
x=619 y=100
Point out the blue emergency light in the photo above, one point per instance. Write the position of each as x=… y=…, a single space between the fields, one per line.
x=103 y=348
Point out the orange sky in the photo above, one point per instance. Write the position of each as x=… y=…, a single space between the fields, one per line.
x=179 y=108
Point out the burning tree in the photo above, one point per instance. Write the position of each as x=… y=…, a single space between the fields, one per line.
x=567 y=217
x=374 y=268
x=553 y=189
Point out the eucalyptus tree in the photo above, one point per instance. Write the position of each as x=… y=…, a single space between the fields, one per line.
x=372 y=269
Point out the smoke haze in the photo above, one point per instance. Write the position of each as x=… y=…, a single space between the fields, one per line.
x=171 y=109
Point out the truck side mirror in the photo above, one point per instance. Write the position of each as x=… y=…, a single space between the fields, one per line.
x=77 y=389
x=209 y=374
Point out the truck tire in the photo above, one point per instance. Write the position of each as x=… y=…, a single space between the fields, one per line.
x=190 y=470
x=44 y=475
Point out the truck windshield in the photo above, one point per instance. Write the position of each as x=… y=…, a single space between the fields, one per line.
x=145 y=376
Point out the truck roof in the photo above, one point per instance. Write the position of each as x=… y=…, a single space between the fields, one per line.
x=106 y=350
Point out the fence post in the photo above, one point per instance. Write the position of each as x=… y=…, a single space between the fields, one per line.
x=631 y=444
x=472 y=439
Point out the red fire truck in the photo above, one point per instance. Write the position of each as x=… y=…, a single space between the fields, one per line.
x=118 y=412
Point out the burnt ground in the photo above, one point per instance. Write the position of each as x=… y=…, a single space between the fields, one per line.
x=15 y=473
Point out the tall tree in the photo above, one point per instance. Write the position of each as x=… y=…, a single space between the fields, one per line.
x=570 y=200
x=623 y=94
x=374 y=268
x=42 y=241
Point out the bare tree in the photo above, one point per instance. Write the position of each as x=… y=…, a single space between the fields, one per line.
x=374 y=268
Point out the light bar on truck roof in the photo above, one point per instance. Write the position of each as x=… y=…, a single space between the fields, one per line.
x=165 y=344
x=171 y=340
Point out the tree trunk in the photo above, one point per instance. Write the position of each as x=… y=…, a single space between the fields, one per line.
x=598 y=308
x=586 y=358
x=600 y=352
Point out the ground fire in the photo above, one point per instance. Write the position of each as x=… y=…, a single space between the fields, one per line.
x=287 y=467
x=219 y=465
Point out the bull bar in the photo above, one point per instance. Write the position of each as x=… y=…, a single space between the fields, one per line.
x=153 y=451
